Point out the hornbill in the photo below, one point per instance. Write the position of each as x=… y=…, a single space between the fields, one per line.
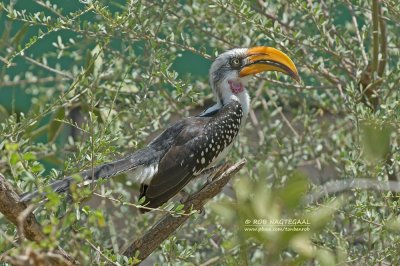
x=194 y=144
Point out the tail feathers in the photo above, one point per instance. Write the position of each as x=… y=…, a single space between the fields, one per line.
x=103 y=171
x=58 y=186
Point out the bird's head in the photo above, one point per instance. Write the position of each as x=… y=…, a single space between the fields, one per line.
x=231 y=70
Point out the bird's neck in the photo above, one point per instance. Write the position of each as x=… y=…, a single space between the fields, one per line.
x=227 y=97
x=244 y=100
x=233 y=90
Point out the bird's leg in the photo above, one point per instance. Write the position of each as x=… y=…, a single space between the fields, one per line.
x=209 y=173
x=210 y=170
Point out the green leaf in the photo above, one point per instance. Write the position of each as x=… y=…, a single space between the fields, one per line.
x=37 y=168
x=322 y=215
x=295 y=188
x=326 y=258
x=3 y=114
x=141 y=201
x=29 y=156
x=86 y=210
x=393 y=225
x=14 y=159
x=54 y=198
x=53 y=159
x=18 y=37
x=180 y=207
x=70 y=219
x=32 y=135
x=376 y=141
x=55 y=125
x=100 y=218
x=89 y=64
x=11 y=146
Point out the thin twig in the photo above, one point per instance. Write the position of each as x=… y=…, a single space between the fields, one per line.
x=65 y=75
x=272 y=17
x=353 y=18
x=52 y=10
x=196 y=26
x=154 y=38
x=140 y=206
x=256 y=125
x=6 y=237
x=292 y=85
x=357 y=183
x=351 y=215
x=29 y=82
x=253 y=116
x=211 y=261
x=5 y=61
x=281 y=113
x=101 y=253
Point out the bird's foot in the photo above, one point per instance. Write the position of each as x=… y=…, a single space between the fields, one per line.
x=209 y=171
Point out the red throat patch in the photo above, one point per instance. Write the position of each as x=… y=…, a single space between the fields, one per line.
x=236 y=87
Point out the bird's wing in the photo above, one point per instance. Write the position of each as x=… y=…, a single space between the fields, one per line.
x=179 y=163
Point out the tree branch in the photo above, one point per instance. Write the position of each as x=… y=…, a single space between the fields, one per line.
x=150 y=240
x=357 y=183
x=362 y=48
x=58 y=72
x=375 y=34
x=29 y=82
x=16 y=212
x=383 y=60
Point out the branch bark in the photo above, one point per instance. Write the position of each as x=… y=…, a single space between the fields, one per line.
x=383 y=60
x=375 y=34
x=339 y=186
x=22 y=217
x=149 y=241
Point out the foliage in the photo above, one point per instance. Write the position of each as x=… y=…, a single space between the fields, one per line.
x=114 y=74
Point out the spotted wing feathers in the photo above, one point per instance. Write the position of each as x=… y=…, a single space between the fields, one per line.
x=196 y=148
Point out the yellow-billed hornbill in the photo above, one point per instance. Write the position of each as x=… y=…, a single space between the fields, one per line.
x=193 y=144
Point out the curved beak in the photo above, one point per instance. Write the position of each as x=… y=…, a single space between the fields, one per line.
x=264 y=58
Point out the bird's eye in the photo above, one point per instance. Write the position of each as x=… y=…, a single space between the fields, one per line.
x=235 y=62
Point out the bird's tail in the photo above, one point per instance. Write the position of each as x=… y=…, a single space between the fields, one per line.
x=102 y=171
